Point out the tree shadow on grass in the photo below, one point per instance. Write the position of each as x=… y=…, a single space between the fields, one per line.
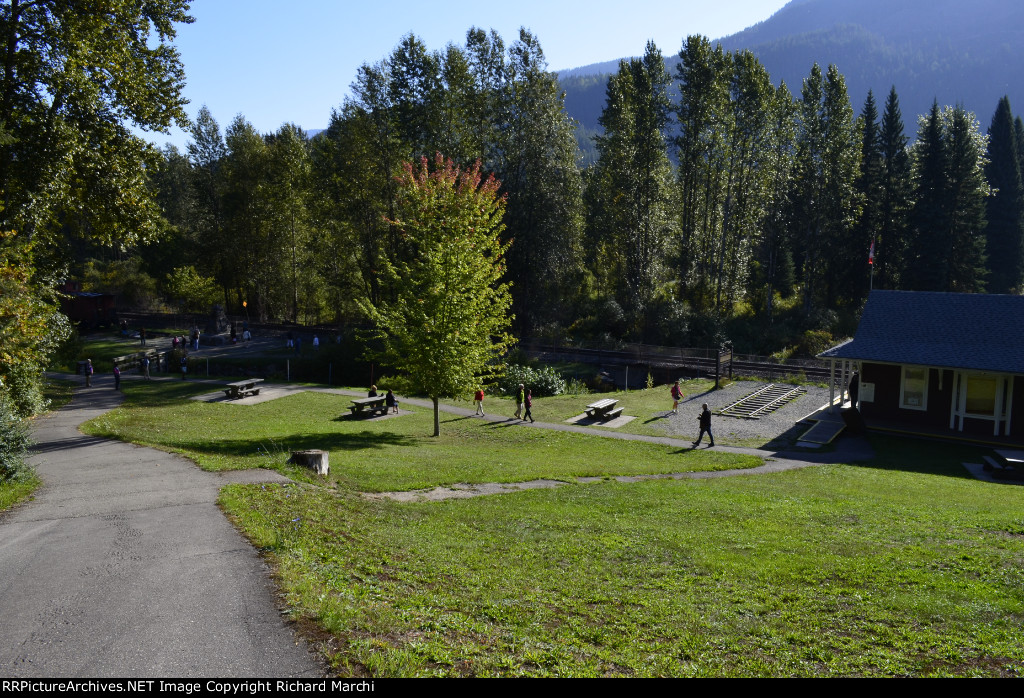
x=299 y=442
x=162 y=393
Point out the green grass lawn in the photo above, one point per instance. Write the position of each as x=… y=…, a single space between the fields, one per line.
x=102 y=349
x=648 y=406
x=383 y=455
x=902 y=567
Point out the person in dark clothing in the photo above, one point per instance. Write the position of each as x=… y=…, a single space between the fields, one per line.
x=390 y=403
x=705 y=426
x=117 y=378
x=372 y=392
x=854 y=389
x=528 y=403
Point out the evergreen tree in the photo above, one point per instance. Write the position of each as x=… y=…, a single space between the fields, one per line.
x=891 y=245
x=1004 y=232
x=825 y=200
x=870 y=181
x=949 y=204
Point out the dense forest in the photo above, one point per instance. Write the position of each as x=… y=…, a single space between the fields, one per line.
x=735 y=209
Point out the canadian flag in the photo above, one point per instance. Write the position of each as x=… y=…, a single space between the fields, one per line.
x=871 y=253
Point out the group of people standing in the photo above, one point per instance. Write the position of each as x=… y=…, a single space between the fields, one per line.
x=524 y=403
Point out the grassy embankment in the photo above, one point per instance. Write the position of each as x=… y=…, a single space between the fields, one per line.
x=906 y=566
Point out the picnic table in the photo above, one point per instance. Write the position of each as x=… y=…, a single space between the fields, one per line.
x=244 y=388
x=370 y=404
x=604 y=409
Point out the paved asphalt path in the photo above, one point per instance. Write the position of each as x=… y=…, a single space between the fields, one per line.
x=124 y=566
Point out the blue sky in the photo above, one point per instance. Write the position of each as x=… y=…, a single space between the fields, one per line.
x=293 y=61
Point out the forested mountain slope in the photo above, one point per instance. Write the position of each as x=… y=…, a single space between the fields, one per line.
x=948 y=50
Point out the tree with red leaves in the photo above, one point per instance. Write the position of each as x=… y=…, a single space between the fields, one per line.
x=446 y=323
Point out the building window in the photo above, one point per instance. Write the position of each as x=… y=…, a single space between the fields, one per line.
x=914 y=388
x=981 y=396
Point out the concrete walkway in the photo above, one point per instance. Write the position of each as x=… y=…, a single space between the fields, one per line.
x=123 y=566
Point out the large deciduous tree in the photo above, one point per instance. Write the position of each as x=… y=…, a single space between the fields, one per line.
x=635 y=220
x=446 y=322
x=76 y=76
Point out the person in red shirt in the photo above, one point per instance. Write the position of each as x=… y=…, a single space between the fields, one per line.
x=478 y=400
x=677 y=395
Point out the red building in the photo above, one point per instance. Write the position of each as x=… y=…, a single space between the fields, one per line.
x=939 y=363
x=87 y=310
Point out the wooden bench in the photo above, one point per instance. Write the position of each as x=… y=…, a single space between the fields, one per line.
x=604 y=409
x=240 y=389
x=134 y=361
x=370 y=404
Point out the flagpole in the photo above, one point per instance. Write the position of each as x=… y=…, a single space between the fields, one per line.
x=871 y=263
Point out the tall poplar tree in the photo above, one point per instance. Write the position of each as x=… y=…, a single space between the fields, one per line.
x=636 y=177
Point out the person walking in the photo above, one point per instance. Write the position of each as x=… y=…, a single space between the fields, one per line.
x=677 y=395
x=88 y=373
x=705 y=426
x=142 y=336
x=529 y=404
x=117 y=378
x=520 y=399
x=145 y=367
x=478 y=400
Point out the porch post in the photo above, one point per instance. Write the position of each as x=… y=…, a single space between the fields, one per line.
x=831 y=384
x=999 y=405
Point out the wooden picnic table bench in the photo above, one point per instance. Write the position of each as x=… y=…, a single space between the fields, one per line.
x=370 y=404
x=242 y=388
x=134 y=360
x=604 y=409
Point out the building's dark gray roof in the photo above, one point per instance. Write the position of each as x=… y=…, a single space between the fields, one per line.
x=975 y=331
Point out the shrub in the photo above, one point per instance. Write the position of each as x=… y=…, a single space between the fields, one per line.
x=544 y=382
x=14 y=443
x=401 y=385
x=575 y=386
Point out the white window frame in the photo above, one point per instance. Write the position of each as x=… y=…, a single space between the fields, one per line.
x=923 y=407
